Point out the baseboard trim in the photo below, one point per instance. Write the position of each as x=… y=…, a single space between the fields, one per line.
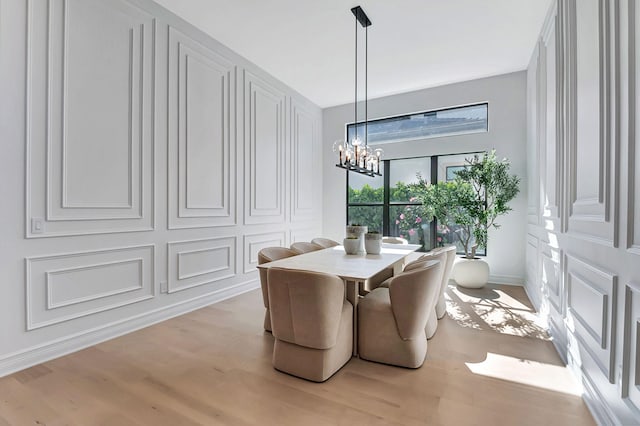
x=593 y=399
x=45 y=352
x=506 y=280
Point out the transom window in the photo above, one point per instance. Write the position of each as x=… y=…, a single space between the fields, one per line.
x=426 y=124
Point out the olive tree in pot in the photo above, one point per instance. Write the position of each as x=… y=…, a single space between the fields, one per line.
x=473 y=201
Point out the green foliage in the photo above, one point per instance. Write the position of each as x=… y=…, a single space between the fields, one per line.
x=474 y=200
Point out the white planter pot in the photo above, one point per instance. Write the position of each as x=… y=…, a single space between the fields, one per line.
x=351 y=245
x=357 y=231
x=471 y=273
x=373 y=243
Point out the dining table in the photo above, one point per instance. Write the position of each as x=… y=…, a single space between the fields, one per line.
x=354 y=269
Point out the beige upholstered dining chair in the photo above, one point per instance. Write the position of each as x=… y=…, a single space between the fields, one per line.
x=442 y=257
x=312 y=323
x=391 y=321
x=441 y=306
x=304 y=247
x=394 y=240
x=266 y=255
x=325 y=242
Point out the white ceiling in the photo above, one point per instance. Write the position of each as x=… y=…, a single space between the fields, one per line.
x=413 y=44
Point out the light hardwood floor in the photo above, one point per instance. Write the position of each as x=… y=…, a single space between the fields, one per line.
x=488 y=364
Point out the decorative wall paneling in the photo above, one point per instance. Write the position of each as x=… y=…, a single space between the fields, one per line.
x=70 y=286
x=633 y=182
x=253 y=243
x=201 y=141
x=532 y=266
x=533 y=149
x=264 y=150
x=304 y=129
x=131 y=112
x=593 y=137
x=200 y=262
x=591 y=302
x=631 y=348
x=550 y=134
x=86 y=174
x=592 y=320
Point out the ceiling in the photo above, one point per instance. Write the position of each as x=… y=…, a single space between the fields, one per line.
x=413 y=44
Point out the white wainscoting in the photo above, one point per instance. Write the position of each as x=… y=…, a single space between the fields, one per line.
x=157 y=162
x=264 y=151
x=593 y=319
x=592 y=145
x=69 y=286
x=253 y=243
x=86 y=174
x=201 y=102
x=200 y=262
x=631 y=352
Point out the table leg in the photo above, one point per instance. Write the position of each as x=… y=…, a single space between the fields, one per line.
x=397 y=267
x=352 y=296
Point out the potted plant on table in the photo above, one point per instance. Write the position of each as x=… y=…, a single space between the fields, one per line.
x=373 y=242
x=356 y=230
x=473 y=201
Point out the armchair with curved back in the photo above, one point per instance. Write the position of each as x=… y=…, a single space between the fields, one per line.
x=392 y=321
x=312 y=323
x=266 y=255
x=304 y=247
x=441 y=306
x=325 y=242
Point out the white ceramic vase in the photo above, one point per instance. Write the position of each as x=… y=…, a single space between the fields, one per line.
x=351 y=245
x=471 y=273
x=357 y=231
x=373 y=243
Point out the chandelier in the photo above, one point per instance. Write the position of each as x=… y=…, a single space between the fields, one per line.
x=356 y=155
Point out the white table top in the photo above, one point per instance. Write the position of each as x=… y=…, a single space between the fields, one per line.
x=353 y=267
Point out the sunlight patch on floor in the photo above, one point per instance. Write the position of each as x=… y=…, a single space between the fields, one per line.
x=490 y=309
x=546 y=376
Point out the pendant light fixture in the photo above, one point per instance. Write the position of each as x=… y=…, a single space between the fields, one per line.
x=355 y=155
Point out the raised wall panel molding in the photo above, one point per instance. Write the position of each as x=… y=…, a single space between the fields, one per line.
x=195 y=263
x=304 y=170
x=201 y=99
x=533 y=147
x=551 y=138
x=264 y=151
x=84 y=173
x=631 y=348
x=591 y=303
x=302 y=235
x=593 y=141
x=69 y=286
x=253 y=243
x=633 y=182
x=551 y=277
x=532 y=264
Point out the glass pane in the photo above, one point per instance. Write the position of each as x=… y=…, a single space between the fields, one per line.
x=448 y=165
x=450 y=121
x=365 y=189
x=370 y=216
x=403 y=178
x=406 y=222
x=446 y=235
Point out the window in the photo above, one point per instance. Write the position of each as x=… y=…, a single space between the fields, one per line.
x=428 y=124
x=389 y=203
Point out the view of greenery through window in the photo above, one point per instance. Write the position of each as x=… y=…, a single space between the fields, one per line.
x=403 y=210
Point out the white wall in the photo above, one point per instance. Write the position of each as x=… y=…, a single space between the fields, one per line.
x=143 y=166
x=583 y=244
x=506 y=95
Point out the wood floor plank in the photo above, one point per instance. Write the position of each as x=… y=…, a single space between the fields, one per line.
x=213 y=367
